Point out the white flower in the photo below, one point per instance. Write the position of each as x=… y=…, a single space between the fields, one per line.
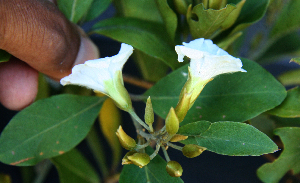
x=207 y=59
x=104 y=75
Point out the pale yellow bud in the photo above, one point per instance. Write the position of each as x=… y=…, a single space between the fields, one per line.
x=172 y=122
x=192 y=150
x=139 y=159
x=126 y=141
x=174 y=169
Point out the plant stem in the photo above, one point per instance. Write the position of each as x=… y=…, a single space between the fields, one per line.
x=97 y=150
x=137 y=82
x=143 y=145
x=133 y=114
x=174 y=146
x=155 y=152
x=166 y=154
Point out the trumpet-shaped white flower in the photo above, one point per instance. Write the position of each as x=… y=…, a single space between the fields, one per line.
x=207 y=61
x=104 y=75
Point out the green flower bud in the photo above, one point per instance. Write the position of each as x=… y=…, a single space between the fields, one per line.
x=139 y=159
x=125 y=160
x=183 y=105
x=126 y=141
x=192 y=150
x=172 y=122
x=149 y=115
x=174 y=169
x=177 y=138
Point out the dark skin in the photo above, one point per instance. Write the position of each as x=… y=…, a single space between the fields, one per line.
x=40 y=39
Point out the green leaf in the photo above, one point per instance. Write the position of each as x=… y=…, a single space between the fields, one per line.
x=286 y=122
x=4 y=56
x=290 y=78
x=73 y=167
x=229 y=97
x=97 y=8
x=296 y=60
x=154 y=172
x=288 y=20
x=48 y=128
x=289 y=158
x=169 y=17
x=251 y=12
x=290 y=107
x=228 y=138
x=152 y=69
x=148 y=37
x=277 y=48
x=143 y=10
x=264 y=124
x=207 y=21
x=74 y=10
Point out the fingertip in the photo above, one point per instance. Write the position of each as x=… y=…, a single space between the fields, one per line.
x=87 y=50
x=18 y=84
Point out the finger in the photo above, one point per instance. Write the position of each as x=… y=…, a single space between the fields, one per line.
x=18 y=84
x=39 y=34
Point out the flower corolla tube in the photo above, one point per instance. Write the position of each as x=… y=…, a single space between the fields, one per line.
x=104 y=75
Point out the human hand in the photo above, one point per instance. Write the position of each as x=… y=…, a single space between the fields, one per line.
x=41 y=39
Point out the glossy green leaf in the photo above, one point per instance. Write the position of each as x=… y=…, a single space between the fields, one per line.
x=288 y=160
x=74 y=10
x=73 y=167
x=232 y=17
x=229 y=97
x=288 y=20
x=148 y=37
x=203 y=23
x=290 y=78
x=154 y=172
x=290 y=107
x=228 y=138
x=251 y=12
x=4 y=56
x=97 y=8
x=48 y=128
x=169 y=17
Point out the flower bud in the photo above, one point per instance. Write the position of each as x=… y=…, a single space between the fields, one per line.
x=183 y=105
x=149 y=115
x=125 y=160
x=126 y=141
x=174 y=169
x=192 y=150
x=172 y=122
x=139 y=159
x=177 y=138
